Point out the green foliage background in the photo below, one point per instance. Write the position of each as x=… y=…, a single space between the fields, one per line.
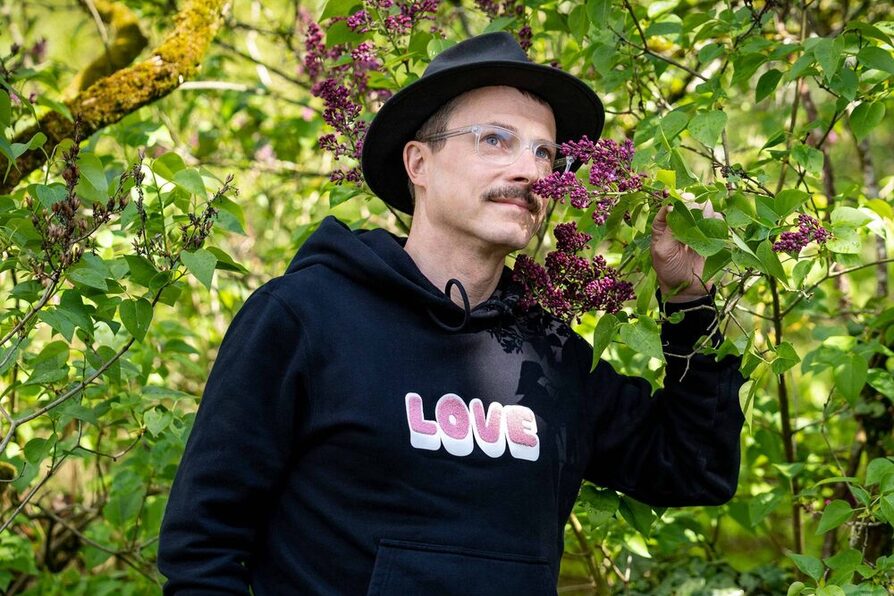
x=114 y=303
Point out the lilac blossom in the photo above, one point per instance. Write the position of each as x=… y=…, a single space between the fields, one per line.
x=569 y=285
x=359 y=21
x=559 y=185
x=808 y=229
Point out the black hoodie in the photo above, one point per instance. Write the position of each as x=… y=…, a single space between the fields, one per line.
x=362 y=434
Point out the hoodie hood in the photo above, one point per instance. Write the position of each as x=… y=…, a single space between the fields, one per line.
x=376 y=258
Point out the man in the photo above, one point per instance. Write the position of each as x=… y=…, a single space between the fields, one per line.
x=382 y=420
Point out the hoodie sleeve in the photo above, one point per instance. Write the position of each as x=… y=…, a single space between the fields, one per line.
x=237 y=449
x=679 y=447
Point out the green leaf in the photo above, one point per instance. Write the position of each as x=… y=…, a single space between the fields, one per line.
x=5 y=109
x=643 y=336
x=836 y=513
x=136 y=316
x=157 y=420
x=141 y=269
x=340 y=194
x=37 y=449
x=167 y=165
x=828 y=52
x=48 y=194
x=88 y=276
x=339 y=8
x=767 y=84
x=601 y=505
x=850 y=376
x=123 y=506
x=843 y=564
x=795 y=589
x=760 y=506
x=871 y=31
x=578 y=22
x=770 y=261
x=715 y=263
x=788 y=200
x=809 y=158
x=603 y=335
x=801 y=271
x=877 y=58
x=845 y=83
x=746 y=400
x=37 y=140
x=190 y=181
x=637 y=514
x=887 y=508
x=599 y=10
x=811 y=566
x=830 y=590
x=225 y=261
x=92 y=171
x=201 y=264
x=706 y=127
x=673 y=124
x=866 y=117
x=786 y=358
x=877 y=469
x=882 y=381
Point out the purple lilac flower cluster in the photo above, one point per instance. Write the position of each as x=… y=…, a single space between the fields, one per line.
x=560 y=185
x=570 y=285
x=808 y=229
x=610 y=174
x=344 y=85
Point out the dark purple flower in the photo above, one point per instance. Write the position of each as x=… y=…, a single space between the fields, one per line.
x=568 y=239
x=560 y=185
x=359 y=21
x=340 y=111
x=808 y=229
x=524 y=37
x=352 y=175
x=570 y=285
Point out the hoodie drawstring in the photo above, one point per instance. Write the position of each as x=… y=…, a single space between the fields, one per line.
x=467 y=310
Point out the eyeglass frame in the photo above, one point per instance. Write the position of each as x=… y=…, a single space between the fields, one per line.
x=557 y=165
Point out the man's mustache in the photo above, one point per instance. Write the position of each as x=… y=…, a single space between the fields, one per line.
x=515 y=192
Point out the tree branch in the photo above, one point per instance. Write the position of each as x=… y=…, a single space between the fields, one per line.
x=110 y=99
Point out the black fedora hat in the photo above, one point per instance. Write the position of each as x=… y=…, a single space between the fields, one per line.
x=482 y=61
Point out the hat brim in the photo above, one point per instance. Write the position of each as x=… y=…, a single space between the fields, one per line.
x=576 y=108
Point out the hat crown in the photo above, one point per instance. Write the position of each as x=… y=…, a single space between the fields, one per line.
x=490 y=47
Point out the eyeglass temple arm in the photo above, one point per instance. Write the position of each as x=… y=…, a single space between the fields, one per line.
x=446 y=134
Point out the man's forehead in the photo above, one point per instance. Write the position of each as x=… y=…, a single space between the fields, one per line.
x=505 y=105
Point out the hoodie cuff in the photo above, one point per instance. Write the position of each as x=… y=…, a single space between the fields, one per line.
x=699 y=316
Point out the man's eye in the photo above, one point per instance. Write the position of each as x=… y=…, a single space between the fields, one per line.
x=492 y=139
x=546 y=153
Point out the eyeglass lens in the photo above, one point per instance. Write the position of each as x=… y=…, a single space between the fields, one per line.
x=499 y=145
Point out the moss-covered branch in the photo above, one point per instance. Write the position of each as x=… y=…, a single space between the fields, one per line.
x=110 y=99
x=122 y=49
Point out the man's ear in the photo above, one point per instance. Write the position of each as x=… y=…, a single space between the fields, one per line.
x=416 y=156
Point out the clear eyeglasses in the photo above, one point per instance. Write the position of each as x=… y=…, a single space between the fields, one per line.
x=501 y=146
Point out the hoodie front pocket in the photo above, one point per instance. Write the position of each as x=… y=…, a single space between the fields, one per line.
x=407 y=568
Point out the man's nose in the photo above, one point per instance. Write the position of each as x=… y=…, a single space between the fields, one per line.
x=526 y=168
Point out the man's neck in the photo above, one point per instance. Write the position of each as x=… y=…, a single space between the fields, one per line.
x=441 y=258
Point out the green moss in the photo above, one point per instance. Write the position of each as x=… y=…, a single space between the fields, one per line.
x=174 y=61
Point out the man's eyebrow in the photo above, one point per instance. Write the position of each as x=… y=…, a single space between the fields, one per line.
x=512 y=128
x=504 y=125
